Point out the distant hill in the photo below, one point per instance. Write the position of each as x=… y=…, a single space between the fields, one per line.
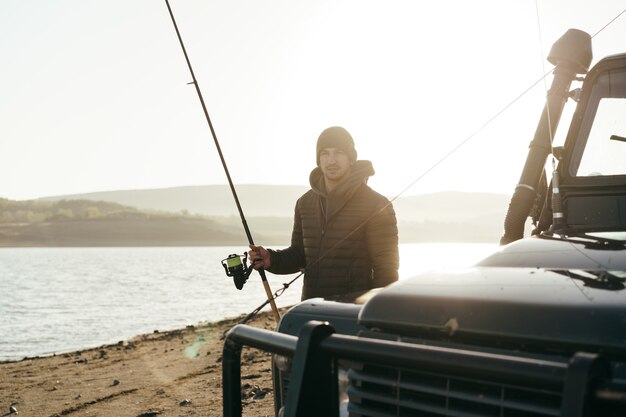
x=455 y=207
x=452 y=217
x=101 y=223
x=444 y=216
x=208 y=200
x=175 y=231
x=279 y=200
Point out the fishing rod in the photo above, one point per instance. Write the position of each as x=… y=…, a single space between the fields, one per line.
x=234 y=265
x=256 y=311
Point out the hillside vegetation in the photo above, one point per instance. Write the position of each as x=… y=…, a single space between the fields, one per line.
x=100 y=223
x=33 y=211
x=207 y=216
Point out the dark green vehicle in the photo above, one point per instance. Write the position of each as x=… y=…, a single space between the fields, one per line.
x=537 y=329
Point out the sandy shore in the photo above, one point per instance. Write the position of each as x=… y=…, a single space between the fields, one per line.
x=175 y=373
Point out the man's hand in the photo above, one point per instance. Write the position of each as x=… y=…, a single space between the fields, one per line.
x=259 y=257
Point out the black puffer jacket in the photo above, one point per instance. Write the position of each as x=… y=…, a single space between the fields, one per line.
x=346 y=240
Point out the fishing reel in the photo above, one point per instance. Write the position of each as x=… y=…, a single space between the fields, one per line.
x=236 y=266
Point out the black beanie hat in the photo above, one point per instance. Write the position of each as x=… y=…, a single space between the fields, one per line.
x=336 y=137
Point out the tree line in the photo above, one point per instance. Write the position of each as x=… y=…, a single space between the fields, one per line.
x=34 y=211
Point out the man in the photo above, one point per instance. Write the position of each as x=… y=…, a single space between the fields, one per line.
x=345 y=234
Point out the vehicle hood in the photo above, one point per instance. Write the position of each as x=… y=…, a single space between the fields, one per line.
x=559 y=254
x=542 y=292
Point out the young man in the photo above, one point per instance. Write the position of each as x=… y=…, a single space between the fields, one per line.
x=345 y=234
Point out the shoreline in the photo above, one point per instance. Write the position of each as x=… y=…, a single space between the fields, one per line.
x=176 y=372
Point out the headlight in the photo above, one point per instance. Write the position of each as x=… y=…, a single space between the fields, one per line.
x=343 y=381
x=283 y=363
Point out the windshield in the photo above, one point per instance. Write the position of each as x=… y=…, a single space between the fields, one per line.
x=604 y=151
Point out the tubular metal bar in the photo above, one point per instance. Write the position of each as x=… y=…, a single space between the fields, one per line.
x=242 y=335
x=267 y=340
x=231 y=378
x=583 y=368
x=313 y=372
x=319 y=343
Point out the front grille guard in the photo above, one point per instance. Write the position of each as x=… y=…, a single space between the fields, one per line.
x=585 y=381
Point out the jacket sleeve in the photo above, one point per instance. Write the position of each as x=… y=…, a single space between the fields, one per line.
x=291 y=259
x=382 y=244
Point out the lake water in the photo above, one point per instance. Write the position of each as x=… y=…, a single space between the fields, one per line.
x=55 y=300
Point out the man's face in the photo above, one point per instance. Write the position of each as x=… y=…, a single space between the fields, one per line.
x=334 y=164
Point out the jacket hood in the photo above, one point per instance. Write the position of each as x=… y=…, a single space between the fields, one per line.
x=359 y=173
x=347 y=187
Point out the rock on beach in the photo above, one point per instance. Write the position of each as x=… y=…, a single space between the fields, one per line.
x=165 y=373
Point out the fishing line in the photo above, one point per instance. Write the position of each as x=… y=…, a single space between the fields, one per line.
x=441 y=160
x=543 y=67
x=558 y=216
x=276 y=294
x=447 y=155
x=555 y=176
x=610 y=22
x=271 y=297
x=261 y=271
x=495 y=116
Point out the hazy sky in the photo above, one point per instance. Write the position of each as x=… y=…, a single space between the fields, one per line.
x=94 y=94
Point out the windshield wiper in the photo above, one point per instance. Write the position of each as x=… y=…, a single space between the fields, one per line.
x=601 y=243
x=590 y=241
x=620 y=138
x=603 y=280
